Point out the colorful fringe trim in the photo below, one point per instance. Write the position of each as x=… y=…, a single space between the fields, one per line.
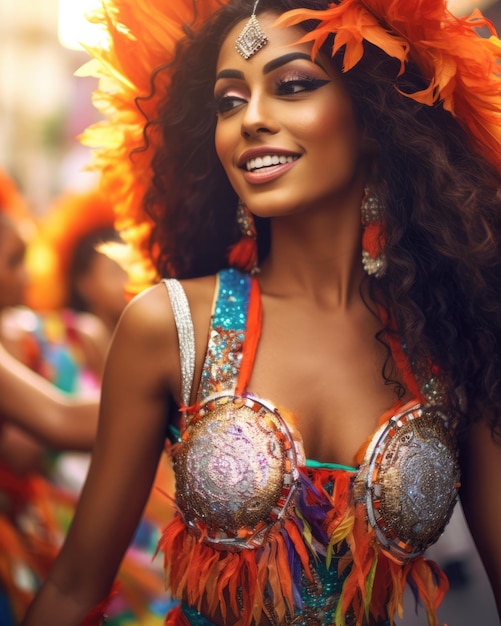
x=31 y=532
x=34 y=518
x=324 y=524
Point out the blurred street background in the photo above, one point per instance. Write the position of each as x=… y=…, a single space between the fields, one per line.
x=44 y=107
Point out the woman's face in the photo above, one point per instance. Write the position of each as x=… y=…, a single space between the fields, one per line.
x=286 y=133
x=102 y=287
x=13 y=276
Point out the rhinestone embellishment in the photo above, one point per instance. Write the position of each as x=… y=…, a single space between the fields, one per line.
x=409 y=481
x=251 y=39
x=236 y=473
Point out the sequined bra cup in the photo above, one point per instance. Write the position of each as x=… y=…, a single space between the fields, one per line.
x=264 y=536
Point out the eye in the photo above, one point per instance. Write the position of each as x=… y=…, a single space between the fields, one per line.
x=227 y=102
x=292 y=86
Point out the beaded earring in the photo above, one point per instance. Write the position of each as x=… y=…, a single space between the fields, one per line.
x=243 y=254
x=252 y=38
x=373 y=257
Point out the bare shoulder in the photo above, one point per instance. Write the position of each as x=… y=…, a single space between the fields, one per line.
x=147 y=333
x=147 y=325
x=150 y=313
x=200 y=293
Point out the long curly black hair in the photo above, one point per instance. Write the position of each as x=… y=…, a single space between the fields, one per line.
x=442 y=208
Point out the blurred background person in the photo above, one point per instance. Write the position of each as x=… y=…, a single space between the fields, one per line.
x=76 y=295
x=34 y=415
x=16 y=337
x=78 y=291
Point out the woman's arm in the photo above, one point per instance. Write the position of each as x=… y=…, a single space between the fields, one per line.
x=21 y=452
x=143 y=363
x=39 y=408
x=481 y=499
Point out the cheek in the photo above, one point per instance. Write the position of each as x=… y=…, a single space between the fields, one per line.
x=311 y=126
x=221 y=143
x=225 y=140
x=336 y=126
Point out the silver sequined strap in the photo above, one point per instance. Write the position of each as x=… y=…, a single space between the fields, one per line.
x=186 y=335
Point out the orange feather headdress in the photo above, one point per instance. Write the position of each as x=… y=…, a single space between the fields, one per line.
x=461 y=69
x=141 y=36
x=14 y=206
x=73 y=216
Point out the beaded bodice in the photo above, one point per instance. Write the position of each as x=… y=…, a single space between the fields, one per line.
x=243 y=485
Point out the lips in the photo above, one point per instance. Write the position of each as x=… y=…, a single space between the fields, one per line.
x=268 y=160
x=265 y=164
x=265 y=156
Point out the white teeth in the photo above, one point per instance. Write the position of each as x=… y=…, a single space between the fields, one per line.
x=268 y=160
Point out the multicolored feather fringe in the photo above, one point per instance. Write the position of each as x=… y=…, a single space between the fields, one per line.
x=31 y=531
x=327 y=526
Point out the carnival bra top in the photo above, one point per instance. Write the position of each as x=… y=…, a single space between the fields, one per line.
x=238 y=461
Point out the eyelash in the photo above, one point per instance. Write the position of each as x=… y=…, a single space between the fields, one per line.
x=223 y=104
x=284 y=87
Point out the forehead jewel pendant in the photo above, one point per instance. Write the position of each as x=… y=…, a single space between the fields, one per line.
x=252 y=38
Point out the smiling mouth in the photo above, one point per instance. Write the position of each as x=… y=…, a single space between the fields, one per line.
x=269 y=160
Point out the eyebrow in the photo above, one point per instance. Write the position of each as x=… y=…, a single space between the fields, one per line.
x=230 y=74
x=283 y=60
x=269 y=67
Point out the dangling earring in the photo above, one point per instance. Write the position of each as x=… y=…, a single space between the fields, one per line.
x=373 y=257
x=243 y=254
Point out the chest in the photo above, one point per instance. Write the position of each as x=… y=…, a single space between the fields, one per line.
x=323 y=365
x=329 y=374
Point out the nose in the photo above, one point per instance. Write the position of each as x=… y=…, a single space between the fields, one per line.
x=258 y=118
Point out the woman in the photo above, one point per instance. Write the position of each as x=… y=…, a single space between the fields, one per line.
x=76 y=282
x=373 y=175
x=38 y=488
x=34 y=414
x=27 y=401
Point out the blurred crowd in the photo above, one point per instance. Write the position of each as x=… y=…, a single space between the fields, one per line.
x=60 y=298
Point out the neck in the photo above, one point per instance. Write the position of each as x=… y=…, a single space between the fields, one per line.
x=317 y=255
